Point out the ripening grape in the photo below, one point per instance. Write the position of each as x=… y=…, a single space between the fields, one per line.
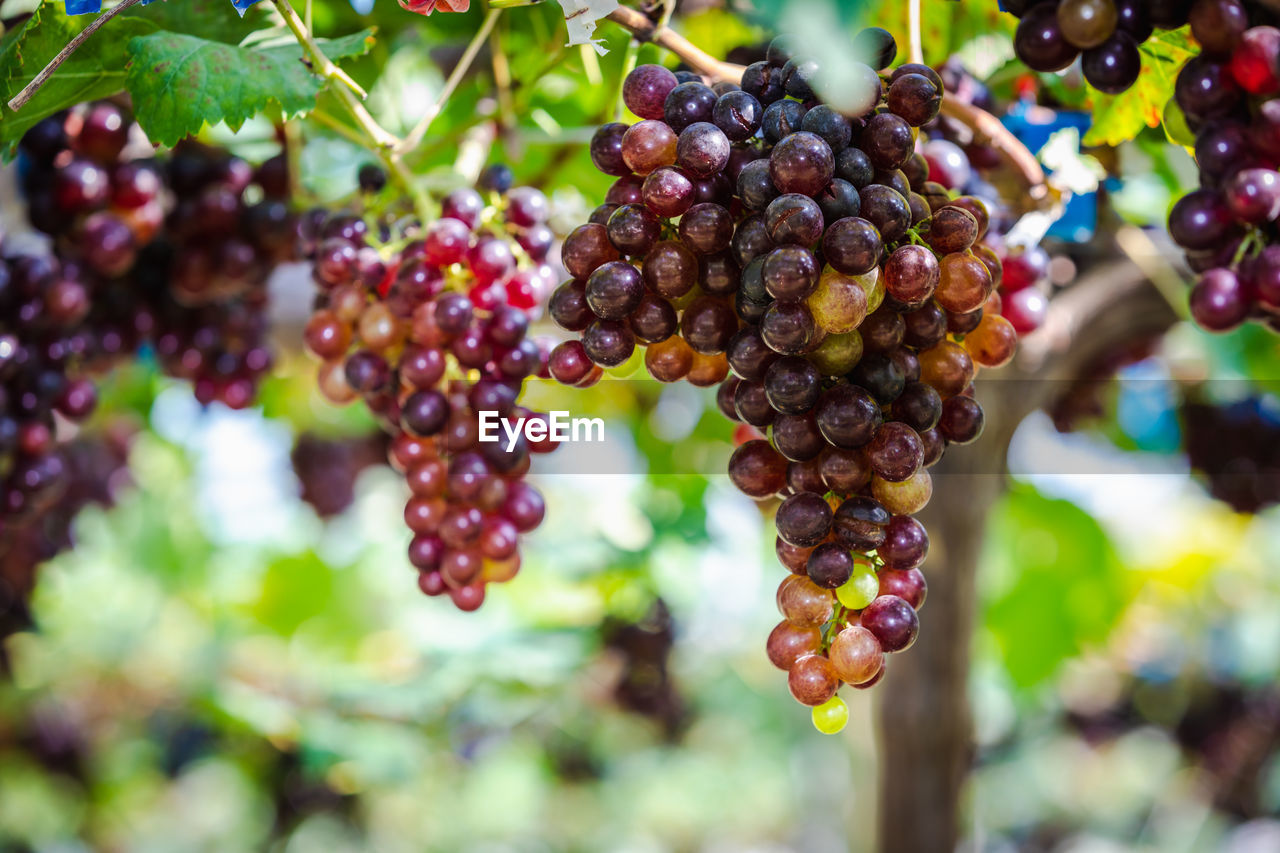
x=806 y=247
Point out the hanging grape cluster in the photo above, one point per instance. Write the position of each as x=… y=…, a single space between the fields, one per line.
x=757 y=230
x=430 y=328
x=1103 y=34
x=1230 y=95
x=168 y=252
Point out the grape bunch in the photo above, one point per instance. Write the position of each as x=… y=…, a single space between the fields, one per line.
x=642 y=651
x=92 y=471
x=430 y=331
x=43 y=349
x=172 y=252
x=758 y=231
x=1235 y=448
x=1230 y=95
x=1104 y=34
x=327 y=468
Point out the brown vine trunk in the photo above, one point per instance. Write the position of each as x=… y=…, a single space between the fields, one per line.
x=924 y=719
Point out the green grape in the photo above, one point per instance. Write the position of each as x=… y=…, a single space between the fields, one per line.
x=862 y=588
x=838 y=303
x=837 y=354
x=907 y=497
x=831 y=716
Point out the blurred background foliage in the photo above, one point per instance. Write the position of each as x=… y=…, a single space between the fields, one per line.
x=217 y=666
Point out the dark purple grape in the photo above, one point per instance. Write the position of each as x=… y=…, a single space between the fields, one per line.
x=802 y=163
x=830 y=565
x=876 y=47
x=838 y=200
x=1200 y=220
x=792 y=385
x=893 y=621
x=881 y=375
x=702 y=149
x=1219 y=301
x=614 y=290
x=738 y=114
x=667 y=191
x=887 y=210
x=847 y=416
x=804 y=520
x=646 y=89
x=781 y=119
x=707 y=228
x=1039 y=41
x=852 y=245
x=763 y=81
x=887 y=141
x=790 y=272
x=750 y=240
x=1206 y=90
x=798 y=76
x=749 y=356
x=688 y=103
x=797 y=437
x=860 y=523
x=794 y=219
x=961 y=420
x=751 y=405
x=708 y=324
x=787 y=327
x=608 y=343
x=915 y=99
x=755 y=186
x=906 y=543
x=1113 y=66
x=633 y=230
x=830 y=125
x=853 y=165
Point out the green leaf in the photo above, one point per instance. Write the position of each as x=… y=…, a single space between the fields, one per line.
x=215 y=20
x=180 y=82
x=96 y=70
x=1120 y=118
x=1052 y=580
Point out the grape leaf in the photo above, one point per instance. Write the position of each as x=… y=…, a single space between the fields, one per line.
x=181 y=82
x=209 y=19
x=96 y=70
x=1119 y=118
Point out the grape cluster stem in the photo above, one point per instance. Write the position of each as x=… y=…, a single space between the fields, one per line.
x=386 y=143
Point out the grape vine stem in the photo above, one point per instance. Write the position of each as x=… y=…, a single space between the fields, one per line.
x=455 y=77
x=916 y=44
x=385 y=143
x=1016 y=155
x=28 y=91
x=660 y=34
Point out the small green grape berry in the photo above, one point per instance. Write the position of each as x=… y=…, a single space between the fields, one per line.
x=862 y=588
x=831 y=716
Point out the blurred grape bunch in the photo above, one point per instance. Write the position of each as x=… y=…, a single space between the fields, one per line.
x=1235 y=449
x=95 y=471
x=327 y=468
x=644 y=684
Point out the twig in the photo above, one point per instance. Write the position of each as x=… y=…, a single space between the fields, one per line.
x=384 y=142
x=1140 y=248
x=337 y=127
x=695 y=57
x=19 y=100
x=459 y=71
x=1011 y=150
x=913 y=24
x=502 y=79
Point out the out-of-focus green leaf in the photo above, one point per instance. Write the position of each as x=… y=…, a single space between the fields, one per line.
x=1052 y=580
